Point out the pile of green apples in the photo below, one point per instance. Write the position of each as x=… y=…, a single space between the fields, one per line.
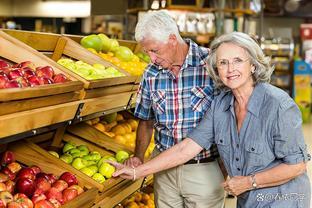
x=91 y=163
x=89 y=72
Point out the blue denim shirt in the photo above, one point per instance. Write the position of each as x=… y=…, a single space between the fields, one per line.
x=271 y=134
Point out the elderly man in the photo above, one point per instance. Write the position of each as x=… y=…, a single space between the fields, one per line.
x=173 y=97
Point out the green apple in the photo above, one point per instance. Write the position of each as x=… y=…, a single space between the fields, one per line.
x=98 y=177
x=94 y=168
x=87 y=171
x=121 y=156
x=96 y=156
x=106 y=157
x=79 y=163
x=67 y=158
x=91 y=162
x=92 y=41
x=106 y=170
x=74 y=152
x=54 y=154
x=83 y=150
x=68 y=146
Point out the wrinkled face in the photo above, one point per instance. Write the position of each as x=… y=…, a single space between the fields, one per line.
x=161 y=54
x=234 y=67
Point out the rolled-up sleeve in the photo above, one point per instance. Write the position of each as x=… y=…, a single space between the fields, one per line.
x=289 y=144
x=143 y=109
x=203 y=134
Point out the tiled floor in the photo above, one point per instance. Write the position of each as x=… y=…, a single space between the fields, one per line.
x=307 y=130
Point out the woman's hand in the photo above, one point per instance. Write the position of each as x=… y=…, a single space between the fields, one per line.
x=123 y=171
x=237 y=185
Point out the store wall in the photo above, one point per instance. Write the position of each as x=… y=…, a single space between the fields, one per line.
x=5 y=8
x=39 y=8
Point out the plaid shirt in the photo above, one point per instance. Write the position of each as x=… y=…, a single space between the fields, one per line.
x=176 y=104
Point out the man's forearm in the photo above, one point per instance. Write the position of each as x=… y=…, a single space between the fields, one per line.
x=144 y=134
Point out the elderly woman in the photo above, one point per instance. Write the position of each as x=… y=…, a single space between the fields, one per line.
x=256 y=126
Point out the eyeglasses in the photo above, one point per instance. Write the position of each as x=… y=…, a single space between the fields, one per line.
x=224 y=63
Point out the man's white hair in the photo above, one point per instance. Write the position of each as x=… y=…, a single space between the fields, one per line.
x=157 y=25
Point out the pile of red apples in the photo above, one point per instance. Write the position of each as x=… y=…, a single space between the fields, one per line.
x=29 y=187
x=26 y=74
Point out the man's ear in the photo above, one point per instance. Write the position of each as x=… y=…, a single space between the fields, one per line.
x=173 y=39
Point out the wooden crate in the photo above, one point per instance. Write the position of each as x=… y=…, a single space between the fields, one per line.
x=19 y=122
x=97 y=137
x=105 y=103
x=57 y=46
x=16 y=51
x=92 y=147
x=30 y=154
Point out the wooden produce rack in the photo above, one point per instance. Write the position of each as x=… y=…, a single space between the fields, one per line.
x=58 y=46
x=21 y=99
x=97 y=137
x=30 y=154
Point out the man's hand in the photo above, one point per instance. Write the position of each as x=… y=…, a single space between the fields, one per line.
x=123 y=171
x=237 y=185
x=133 y=162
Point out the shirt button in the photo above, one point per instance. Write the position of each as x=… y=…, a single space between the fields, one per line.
x=237 y=145
x=252 y=149
x=237 y=159
x=238 y=169
x=221 y=141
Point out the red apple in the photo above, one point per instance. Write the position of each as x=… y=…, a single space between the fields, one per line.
x=36 y=169
x=60 y=78
x=28 y=72
x=69 y=178
x=23 y=200
x=9 y=173
x=33 y=81
x=43 y=184
x=51 y=178
x=22 y=81
x=4 y=64
x=10 y=186
x=14 y=167
x=6 y=196
x=76 y=187
x=45 y=80
x=3 y=177
x=5 y=71
x=54 y=193
x=42 y=175
x=55 y=203
x=7 y=157
x=25 y=186
x=43 y=204
x=2 y=187
x=46 y=71
x=25 y=64
x=14 y=204
x=13 y=74
x=60 y=185
x=2 y=204
x=37 y=198
x=69 y=194
x=12 y=84
x=3 y=80
x=27 y=173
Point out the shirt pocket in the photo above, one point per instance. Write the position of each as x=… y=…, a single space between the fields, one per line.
x=223 y=145
x=201 y=98
x=159 y=101
x=255 y=153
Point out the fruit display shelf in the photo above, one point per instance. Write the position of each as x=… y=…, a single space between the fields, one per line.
x=30 y=154
x=97 y=137
x=19 y=99
x=58 y=46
